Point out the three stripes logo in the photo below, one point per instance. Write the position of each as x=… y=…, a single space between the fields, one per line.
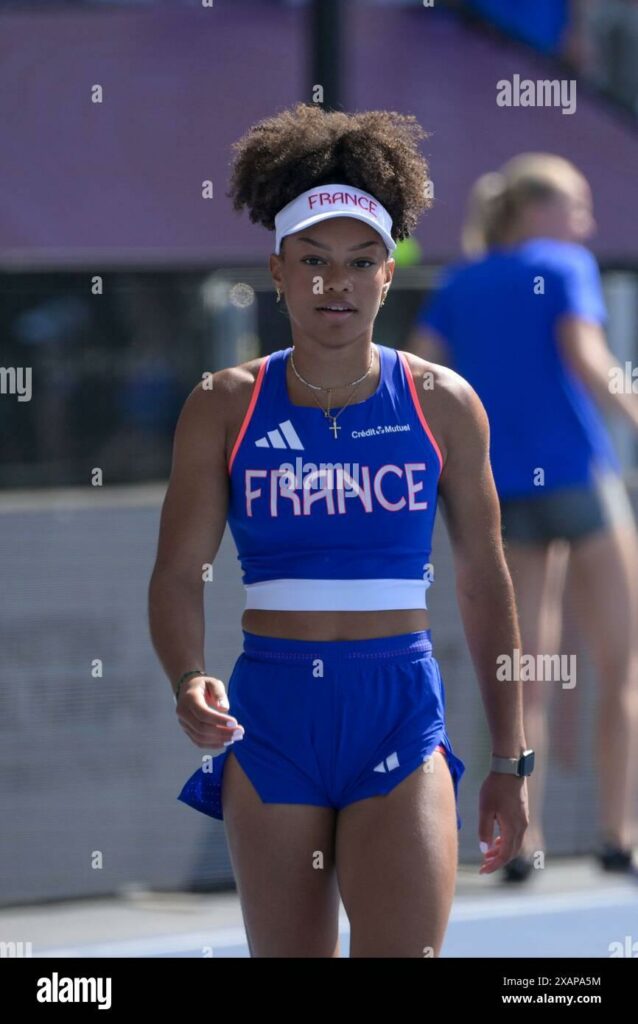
x=388 y=764
x=285 y=436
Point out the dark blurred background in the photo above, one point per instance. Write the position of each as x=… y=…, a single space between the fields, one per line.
x=113 y=188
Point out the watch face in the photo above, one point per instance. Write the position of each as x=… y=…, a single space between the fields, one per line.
x=527 y=763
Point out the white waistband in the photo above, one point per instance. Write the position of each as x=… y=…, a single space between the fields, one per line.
x=292 y=595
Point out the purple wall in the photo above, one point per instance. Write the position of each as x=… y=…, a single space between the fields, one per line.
x=446 y=76
x=86 y=184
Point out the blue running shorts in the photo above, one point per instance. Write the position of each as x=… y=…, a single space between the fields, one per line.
x=329 y=722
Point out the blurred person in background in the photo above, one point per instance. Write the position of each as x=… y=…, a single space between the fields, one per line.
x=554 y=27
x=598 y=39
x=522 y=319
x=612 y=50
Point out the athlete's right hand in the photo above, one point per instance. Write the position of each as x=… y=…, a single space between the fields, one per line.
x=201 y=713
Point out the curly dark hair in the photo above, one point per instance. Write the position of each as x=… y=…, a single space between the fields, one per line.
x=306 y=146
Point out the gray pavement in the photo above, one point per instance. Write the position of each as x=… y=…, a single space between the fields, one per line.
x=570 y=908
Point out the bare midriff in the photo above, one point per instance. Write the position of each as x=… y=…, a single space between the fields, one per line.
x=334 y=625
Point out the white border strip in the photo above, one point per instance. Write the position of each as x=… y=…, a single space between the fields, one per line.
x=307 y=595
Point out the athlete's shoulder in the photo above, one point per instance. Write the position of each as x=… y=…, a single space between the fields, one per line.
x=219 y=396
x=448 y=401
x=234 y=382
x=434 y=379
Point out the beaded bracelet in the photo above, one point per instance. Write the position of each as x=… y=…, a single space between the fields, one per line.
x=182 y=679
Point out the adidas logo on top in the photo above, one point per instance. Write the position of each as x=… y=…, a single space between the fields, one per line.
x=285 y=437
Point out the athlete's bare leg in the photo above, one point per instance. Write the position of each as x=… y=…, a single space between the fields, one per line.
x=605 y=597
x=538 y=574
x=283 y=862
x=396 y=859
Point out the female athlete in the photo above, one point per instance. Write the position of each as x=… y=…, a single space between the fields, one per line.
x=331 y=766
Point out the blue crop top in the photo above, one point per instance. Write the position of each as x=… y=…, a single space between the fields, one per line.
x=334 y=523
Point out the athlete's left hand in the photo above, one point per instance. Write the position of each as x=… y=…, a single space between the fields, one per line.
x=503 y=798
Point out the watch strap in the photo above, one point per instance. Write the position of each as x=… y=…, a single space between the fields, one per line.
x=507 y=765
x=522 y=766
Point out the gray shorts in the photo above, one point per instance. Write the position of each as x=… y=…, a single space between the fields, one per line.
x=570 y=513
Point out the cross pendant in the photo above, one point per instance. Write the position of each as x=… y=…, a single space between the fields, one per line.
x=334 y=426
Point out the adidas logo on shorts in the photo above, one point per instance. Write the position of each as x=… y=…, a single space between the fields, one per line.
x=390 y=762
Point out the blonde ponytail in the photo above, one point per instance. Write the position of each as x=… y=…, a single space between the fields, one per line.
x=497 y=198
x=485 y=213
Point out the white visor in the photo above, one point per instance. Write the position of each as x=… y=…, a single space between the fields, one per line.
x=333 y=201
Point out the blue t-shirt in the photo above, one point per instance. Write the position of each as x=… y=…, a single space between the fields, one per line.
x=538 y=22
x=498 y=317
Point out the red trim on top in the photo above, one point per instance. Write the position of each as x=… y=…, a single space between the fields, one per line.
x=417 y=406
x=249 y=412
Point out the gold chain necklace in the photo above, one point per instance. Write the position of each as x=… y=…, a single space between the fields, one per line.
x=319 y=387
